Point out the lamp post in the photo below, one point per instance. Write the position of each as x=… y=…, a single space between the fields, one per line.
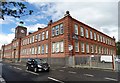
x=14 y=54
x=37 y=47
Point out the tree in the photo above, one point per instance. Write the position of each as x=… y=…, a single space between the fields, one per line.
x=118 y=48
x=14 y=9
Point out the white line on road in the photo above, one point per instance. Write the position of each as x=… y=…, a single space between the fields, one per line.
x=24 y=65
x=19 y=68
x=63 y=67
x=32 y=72
x=10 y=66
x=72 y=72
x=89 y=75
x=61 y=70
x=55 y=80
x=2 y=80
x=111 y=79
x=52 y=69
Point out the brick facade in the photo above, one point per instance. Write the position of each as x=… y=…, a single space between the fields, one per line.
x=22 y=46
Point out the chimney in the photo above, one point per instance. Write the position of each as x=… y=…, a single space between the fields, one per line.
x=50 y=22
x=39 y=28
x=29 y=33
x=67 y=13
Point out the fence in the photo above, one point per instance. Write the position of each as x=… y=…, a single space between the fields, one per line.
x=97 y=61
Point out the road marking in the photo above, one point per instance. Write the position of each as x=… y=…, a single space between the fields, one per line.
x=53 y=69
x=24 y=65
x=72 y=72
x=32 y=72
x=89 y=75
x=2 y=80
x=61 y=70
x=10 y=66
x=111 y=79
x=63 y=67
x=19 y=68
x=55 y=80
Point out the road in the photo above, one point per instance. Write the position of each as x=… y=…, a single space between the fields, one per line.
x=17 y=72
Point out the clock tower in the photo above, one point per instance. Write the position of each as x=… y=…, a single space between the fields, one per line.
x=20 y=31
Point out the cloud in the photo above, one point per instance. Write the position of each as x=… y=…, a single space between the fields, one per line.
x=32 y=28
x=102 y=16
x=6 y=38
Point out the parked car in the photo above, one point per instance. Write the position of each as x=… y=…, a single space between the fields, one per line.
x=37 y=65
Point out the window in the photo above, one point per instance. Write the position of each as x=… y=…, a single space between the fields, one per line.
x=36 y=37
x=92 y=49
x=32 y=38
x=46 y=48
x=94 y=36
x=35 y=50
x=61 y=29
x=46 y=34
x=43 y=34
x=86 y=33
x=99 y=50
x=91 y=35
x=53 y=31
x=87 y=48
x=32 y=50
x=76 y=47
x=103 y=40
x=39 y=37
x=57 y=30
x=82 y=31
x=39 y=50
x=76 y=29
x=98 y=37
x=95 y=48
x=42 y=49
x=53 y=47
x=61 y=46
x=82 y=47
x=57 y=47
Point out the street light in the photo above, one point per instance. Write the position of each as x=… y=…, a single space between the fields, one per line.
x=37 y=47
x=14 y=54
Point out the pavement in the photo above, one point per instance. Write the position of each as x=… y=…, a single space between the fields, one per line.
x=60 y=74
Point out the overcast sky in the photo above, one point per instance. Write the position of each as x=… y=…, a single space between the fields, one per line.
x=102 y=16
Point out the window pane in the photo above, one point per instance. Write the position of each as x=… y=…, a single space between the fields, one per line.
x=82 y=31
x=76 y=47
x=61 y=29
x=76 y=29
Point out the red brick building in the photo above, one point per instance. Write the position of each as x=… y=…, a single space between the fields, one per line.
x=61 y=42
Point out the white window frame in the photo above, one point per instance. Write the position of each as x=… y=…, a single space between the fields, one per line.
x=87 y=48
x=61 y=28
x=86 y=33
x=91 y=34
x=57 y=30
x=53 y=31
x=82 y=47
x=46 y=51
x=82 y=31
x=61 y=46
x=76 y=29
x=43 y=35
x=76 y=46
x=94 y=36
x=46 y=34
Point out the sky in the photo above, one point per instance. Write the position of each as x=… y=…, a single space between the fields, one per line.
x=102 y=15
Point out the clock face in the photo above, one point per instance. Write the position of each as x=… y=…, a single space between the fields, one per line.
x=22 y=31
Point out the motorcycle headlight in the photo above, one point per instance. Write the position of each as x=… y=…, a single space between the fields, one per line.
x=39 y=66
